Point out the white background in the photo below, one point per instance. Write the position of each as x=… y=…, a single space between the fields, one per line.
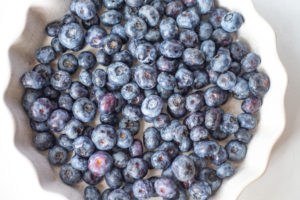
x=282 y=178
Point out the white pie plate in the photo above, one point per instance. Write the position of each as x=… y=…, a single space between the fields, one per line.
x=256 y=32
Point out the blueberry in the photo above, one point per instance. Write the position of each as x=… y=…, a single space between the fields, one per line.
x=243 y=136
x=111 y=17
x=247 y=121
x=251 y=104
x=52 y=28
x=236 y=150
x=225 y=170
x=128 y=179
x=165 y=187
x=218 y=135
x=241 y=89
x=100 y=163
x=38 y=126
x=57 y=156
x=149 y=14
x=113 y=4
x=152 y=106
x=87 y=24
x=107 y=104
x=222 y=37
x=189 y=38
x=167 y=132
x=145 y=53
x=174 y=8
x=198 y=162
x=200 y=190
x=147 y=158
x=184 y=78
x=40 y=109
x=112 y=44
x=185 y=145
x=111 y=119
x=85 y=78
x=213 y=118
x=216 y=16
x=118 y=194
x=134 y=3
x=68 y=62
x=79 y=163
x=193 y=58
x=33 y=80
x=220 y=157
x=168 y=28
x=90 y=178
x=125 y=138
x=205 y=30
x=161 y=121
x=171 y=48
x=130 y=91
x=57 y=46
x=151 y=138
x=158 y=4
x=51 y=93
x=143 y=189
x=170 y=148
x=163 y=93
x=98 y=4
x=145 y=76
x=105 y=193
x=200 y=79
x=188 y=19
x=120 y=102
x=118 y=73
x=71 y=36
x=83 y=146
x=136 y=28
x=58 y=120
x=104 y=137
x=221 y=63
x=129 y=12
x=114 y=178
x=74 y=128
x=136 y=149
x=235 y=67
x=183 y=168
x=87 y=60
x=123 y=56
x=206 y=149
x=96 y=94
x=94 y=36
x=215 y=96
x=194 y=119
x=230 y=124
x=238 y=50
x=45 y=55
x=78 y=90
x=152 y=35
x=133 y=126
x=61 y=80
x=205 y=6
x=259 y=84
x=194 y=102
x=85 y=9
x=226 y=81
x=208 y=48
x=119 y=30
x=91 y=193
x=65 y=142
x=131 y=112
x=44 y=141
x=199 y=133
x=103 y=58
x=84 y=110
x=209 y=176
x=30 y=96
x=65 y=101
x=176 y=106
x=69 y=18
x=99 y=78
x=137 y=168
x=232 y=21
x=69 y=175
x=180 y=133
x=120 y=159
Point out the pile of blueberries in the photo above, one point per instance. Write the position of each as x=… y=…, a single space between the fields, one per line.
x=178 y=53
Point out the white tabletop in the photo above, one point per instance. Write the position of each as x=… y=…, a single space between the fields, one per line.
x=281 y=180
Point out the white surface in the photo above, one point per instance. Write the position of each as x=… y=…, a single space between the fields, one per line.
x=281 y=172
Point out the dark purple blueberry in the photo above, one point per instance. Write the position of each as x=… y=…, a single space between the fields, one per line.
x=143 y=189
x=90 y=178
x=206 y=149
x=180 y=133
x=145 y=53
x=151 y=138
x=136 y=149
x=171 y=48
x=168 y=28
x=205 y=30
x=241 y=89
x=132 y=112
x=65 y=142
x=87 y=60
x=236 y=150
x=103 y=58
x=99 y=78
x=130 y=91
x=61 y=80
x=137 y=168
x=96 y=94
x=87 y=24
x=119 y=30
x=185 y=145
x=46 y=72
x=232 y=21
x=105 y=193
x=147 y=158
x=149 y=14
x=69 y=175
x=58 y=156
x=84 y=109
x=111 y=44
x=44 y=141
x=247 y=121
x=38 y=126
x=161 y=121
x=163 y=93
x=51 y=93
x=209 y=176
x=200 y=79
x=176 y=106
x=58 y=120
x=129 y=12
x=100 y=163
x=85 y=9
x=243 y=136
x=111 y=119
x=218 y=135
x=208 y=48
x=165 y=187
x=259 y=84
x=221 y=63
x=152 y=106
x=118 y=194
x=200 y=190
x=30 y=96
x=235 y=67
x=188 y=19
x=251 y=104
